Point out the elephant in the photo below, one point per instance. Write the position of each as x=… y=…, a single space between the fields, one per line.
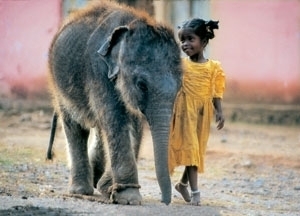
x=112 y=68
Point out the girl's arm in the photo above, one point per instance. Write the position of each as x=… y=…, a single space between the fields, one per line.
x=219 y=115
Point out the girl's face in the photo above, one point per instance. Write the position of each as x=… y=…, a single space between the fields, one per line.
x=191 y=43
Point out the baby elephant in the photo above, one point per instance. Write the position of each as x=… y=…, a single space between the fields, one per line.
x=112 y=67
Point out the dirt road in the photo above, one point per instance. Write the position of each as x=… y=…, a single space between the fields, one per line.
x=251 y=169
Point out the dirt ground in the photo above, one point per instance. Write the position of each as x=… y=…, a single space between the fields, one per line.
x=251 y=169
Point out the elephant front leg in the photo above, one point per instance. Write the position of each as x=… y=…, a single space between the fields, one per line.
x=81 y=176
x=121 y=182
x=125 y=187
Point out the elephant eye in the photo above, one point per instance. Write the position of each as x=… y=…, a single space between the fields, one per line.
x=142 y=85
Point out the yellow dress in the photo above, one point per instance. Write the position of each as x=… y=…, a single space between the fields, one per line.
x=193 y=111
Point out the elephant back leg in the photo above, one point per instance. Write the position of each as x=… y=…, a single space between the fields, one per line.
x=77 y=138
x=97 y=156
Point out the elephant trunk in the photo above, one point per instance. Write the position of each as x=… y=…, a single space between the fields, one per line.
x=159 y=126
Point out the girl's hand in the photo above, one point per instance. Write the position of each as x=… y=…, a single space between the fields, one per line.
x=219 y=116
x=220 y=120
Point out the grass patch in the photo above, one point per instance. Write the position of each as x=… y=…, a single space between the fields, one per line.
x=11 y=156
x=6 y=158
x=4 y=161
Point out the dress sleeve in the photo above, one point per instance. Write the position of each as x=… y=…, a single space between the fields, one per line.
x=219 y=81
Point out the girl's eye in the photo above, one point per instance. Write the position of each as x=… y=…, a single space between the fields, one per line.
x=190 y=38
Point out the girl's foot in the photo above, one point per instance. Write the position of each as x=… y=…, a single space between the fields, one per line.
x=195 y=198
x=182 y=189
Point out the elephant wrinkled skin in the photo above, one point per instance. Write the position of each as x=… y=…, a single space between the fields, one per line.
x=112 y=67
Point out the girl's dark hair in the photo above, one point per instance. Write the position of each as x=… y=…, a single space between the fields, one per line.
x=204 y=29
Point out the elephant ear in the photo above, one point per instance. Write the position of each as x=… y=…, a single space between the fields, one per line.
x=112 y=40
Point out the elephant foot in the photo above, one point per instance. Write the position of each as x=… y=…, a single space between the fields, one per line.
x=125 y=194
x=104 y=184
x=83 y=189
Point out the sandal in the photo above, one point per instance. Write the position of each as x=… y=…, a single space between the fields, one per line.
x=182 y=189
x=195 y=198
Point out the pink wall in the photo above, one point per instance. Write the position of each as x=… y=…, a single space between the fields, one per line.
x=26 y=29
x=258 y=44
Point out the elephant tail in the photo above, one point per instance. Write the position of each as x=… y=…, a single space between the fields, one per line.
x=50 y=153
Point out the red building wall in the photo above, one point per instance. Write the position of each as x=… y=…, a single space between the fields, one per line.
x=258 y=44
x=26 y=28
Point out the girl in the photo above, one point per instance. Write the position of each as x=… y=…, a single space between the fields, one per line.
x=202 y=89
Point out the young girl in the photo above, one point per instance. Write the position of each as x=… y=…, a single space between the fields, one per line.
x=202 y=90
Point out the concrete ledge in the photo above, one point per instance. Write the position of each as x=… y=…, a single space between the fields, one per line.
x=263 y=113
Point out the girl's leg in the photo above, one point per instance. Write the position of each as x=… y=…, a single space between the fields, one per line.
x=192 y=172
x=181 y=186
x=184 y=179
